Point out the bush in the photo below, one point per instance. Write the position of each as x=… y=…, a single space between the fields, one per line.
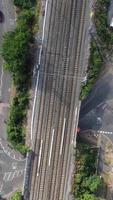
x=104 y=32
x=86 y=182
x=15 y=50
x=24 y=3
x=17 y=196
x=95 y=63
x=87 y=196
x=26 y=19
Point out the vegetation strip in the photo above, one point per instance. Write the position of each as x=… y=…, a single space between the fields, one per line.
x=86 y=182
x=16 y=54
x=95 y=63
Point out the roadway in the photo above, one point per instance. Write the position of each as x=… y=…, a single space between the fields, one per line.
x=99 y=105
x=57 y=102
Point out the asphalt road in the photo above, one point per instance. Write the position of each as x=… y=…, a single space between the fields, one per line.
x=11 y=174
x=60 y=75
x=97 y=109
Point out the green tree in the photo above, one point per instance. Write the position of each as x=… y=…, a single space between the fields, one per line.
x=15 y=50
x=87 y=196
x=26 y=19
x=93 y=183
x=24 y=3
x=17 y=196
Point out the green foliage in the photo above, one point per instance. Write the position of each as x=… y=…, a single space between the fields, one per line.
x=15 y=50
x=104 y=32
x=26 y=19
x=22 y=148
x=92 y=183
x=17 y=196
x=86 y=182
x=15 y=128
x=95 y=63
x=87 y=196
x=24 y=3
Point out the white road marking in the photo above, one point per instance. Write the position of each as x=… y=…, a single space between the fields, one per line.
x=1 y=187
x=13 y=175
x=63 y=131
x=5 y=175
x=9 y=176
x=39 y=160
x=1 y=151
x=53 y=132
x=36 y=87
x=14 y=165
x=105 y=132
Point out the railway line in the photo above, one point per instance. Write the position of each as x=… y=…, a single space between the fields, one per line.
x=57 y=98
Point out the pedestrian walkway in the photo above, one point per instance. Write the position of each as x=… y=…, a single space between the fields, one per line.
x=9 y=176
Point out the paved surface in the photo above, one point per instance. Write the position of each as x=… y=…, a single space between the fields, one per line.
x=57 y=103
x=97 y=109
x=12 y=166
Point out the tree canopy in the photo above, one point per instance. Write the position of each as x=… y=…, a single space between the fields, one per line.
x=17 y=196
x=86 y=181
x=24 y=3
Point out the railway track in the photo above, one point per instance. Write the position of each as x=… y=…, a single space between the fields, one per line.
x=57 y=99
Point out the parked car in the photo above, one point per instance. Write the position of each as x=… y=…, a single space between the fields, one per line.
x=1 y=17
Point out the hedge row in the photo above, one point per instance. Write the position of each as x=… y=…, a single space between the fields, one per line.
x=95 y=63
